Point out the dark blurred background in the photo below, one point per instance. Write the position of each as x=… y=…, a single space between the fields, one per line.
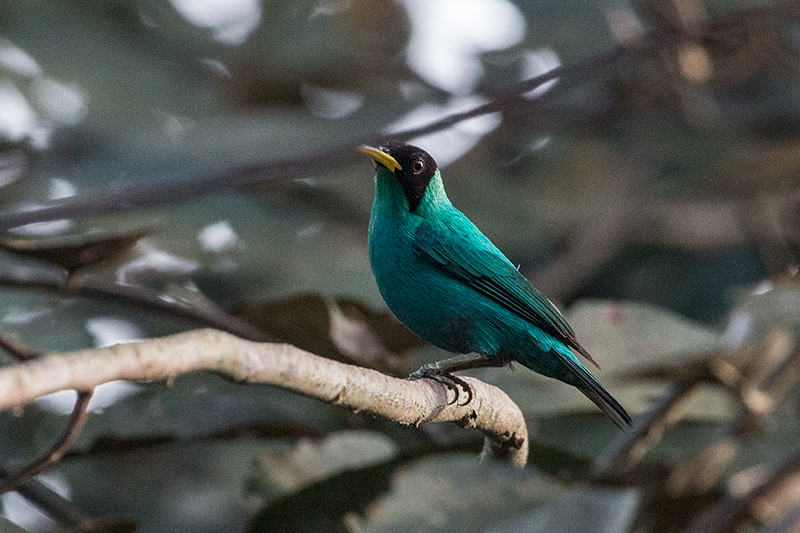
x=653 y=196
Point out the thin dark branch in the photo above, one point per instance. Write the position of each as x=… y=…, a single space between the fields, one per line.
x=50 y=502
x=181 y=189
x=35 y=492
x=130 y=295
x=629 y=447
x=16 y=350
x=733 y=511
x=788 y=523
x=772 y=388
x=132 y=197
x=783 y=376
x=138 y=196
x=110 y=445
x=513 y=97
x=78 y=418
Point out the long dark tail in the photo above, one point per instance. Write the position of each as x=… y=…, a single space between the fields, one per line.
x=589 y=386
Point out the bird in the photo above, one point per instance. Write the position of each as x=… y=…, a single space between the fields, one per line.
x=446 y=282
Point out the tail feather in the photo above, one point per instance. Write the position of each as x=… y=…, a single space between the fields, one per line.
x=592 y=389
x=586 y=354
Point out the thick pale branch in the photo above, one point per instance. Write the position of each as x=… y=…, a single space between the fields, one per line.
x=359 y=389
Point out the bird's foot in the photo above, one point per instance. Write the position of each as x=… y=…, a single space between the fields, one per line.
x=445 y=378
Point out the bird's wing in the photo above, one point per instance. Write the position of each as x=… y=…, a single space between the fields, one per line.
x=463 y=252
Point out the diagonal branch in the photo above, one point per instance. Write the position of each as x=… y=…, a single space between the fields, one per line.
x=628 y=448
x=80 y=414
x=509 y=99
x=21 y=480
x=16 y=350
x=777 y=491
x=50 y=502
x=181 y=189
x=359 y=389
x=128 y=295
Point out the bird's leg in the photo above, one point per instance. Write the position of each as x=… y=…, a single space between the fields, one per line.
x=441 y=372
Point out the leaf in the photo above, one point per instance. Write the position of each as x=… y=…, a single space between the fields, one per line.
x=325 y=505
x=75 y=252
x=584 y=509
x=203 y=406
x=627 y=339
x=282 y=469
x=7 y=526
x=354 y=338
x=761 y=310
x=456 y=493
x=630 y=337
x=337 y=328
x=15 y=164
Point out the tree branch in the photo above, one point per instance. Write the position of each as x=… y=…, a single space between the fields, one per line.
x=50 y=502
x=282 y=365
x=130 y=295
x=772 y=495
x=80 y=414
x=509 y=99
x=628 y=448
x=16 y=350
x=182 y=188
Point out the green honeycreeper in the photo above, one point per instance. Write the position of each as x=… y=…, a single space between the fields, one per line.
x=450 y=285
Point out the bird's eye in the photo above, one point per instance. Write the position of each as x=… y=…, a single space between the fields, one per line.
x=418 y=166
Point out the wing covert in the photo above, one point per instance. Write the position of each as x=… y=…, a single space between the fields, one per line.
x=464 y=253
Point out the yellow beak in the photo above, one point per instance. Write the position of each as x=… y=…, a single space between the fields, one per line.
x=380 y=157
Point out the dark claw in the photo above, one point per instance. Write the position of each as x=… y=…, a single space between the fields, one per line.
x=448 y=380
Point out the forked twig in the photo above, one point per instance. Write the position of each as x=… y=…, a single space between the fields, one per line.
x=78 y=418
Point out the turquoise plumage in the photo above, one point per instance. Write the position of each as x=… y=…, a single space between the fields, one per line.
x=448 y=283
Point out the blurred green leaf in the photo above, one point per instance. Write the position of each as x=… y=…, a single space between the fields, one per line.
x=328 y=504
x=760 y=310
x=172 y=487
x=6 y=526
x=456 y=493
x=336 y=328
x=584 y=509
x=630 y=337
x=626 y=339
x=205 y=407
x=75 y=251
x=283 y=468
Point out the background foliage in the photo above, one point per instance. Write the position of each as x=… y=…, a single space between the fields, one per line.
x=653 y=196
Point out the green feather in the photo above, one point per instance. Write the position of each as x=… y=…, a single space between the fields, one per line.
x=462 y=251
